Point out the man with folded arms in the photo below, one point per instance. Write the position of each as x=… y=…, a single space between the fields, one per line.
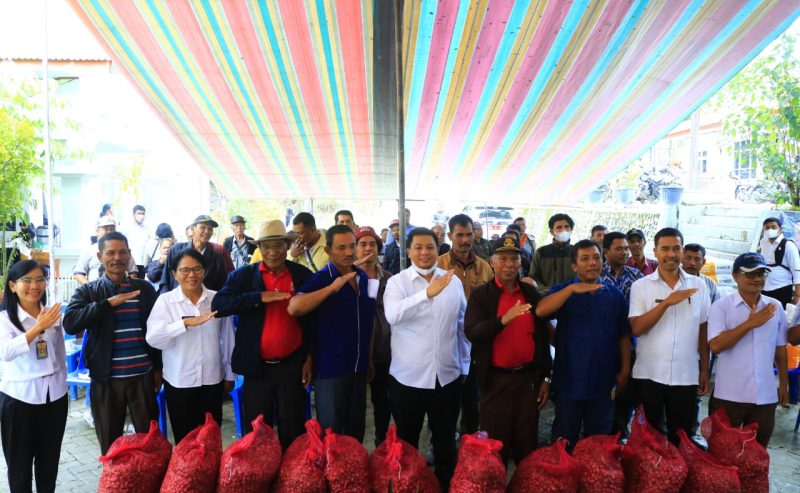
x=748 y=332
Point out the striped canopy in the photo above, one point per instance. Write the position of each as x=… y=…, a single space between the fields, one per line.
x=522 y=101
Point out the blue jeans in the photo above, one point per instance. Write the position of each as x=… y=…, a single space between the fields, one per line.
x=595 y=416
x=341 y=404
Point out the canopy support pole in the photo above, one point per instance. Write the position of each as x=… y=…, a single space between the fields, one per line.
x=401 y=168
x=48 y=172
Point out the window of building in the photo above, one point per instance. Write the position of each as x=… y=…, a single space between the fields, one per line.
x=701 y=163
x=744 y=160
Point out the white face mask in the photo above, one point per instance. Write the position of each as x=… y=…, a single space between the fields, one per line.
x=563 y=236
x=772 y=233
x=424 y=272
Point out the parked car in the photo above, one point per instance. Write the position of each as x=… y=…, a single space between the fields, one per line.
x=494 y=218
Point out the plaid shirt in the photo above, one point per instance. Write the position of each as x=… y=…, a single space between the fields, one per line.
x=623 y=282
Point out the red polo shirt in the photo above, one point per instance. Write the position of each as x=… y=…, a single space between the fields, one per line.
x=513 y=346
x=281 y=334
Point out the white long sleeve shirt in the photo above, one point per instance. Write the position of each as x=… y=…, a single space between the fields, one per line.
x=25 y=377
x=428 y=341
x=192 y=356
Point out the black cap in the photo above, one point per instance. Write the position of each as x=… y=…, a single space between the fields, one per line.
x=237 y=219
x=205 y=219
x=635 y=232
x=506 y=244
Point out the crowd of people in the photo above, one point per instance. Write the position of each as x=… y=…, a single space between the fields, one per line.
x=484 y=330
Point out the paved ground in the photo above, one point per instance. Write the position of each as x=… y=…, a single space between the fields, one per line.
x=79 y=470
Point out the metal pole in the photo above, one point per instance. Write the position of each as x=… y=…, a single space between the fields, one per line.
x=48 y=194
x=401 y=169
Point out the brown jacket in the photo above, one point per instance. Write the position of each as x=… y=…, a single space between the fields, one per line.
x=481 y=325
x=471 y=275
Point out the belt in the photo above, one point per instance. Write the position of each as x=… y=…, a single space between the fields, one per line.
x=280 y=361
x=514 y=371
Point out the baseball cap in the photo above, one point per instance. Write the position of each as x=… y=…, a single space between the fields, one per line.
x=635 y=232
x=368 y=231
x=205 y=219
x=506 y=244
x=750 y=261
x=237 y=219
x=106 y=221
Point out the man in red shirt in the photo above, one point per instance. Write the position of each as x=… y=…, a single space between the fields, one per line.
x=636 y=243
x=271 y=350
x=511 y=353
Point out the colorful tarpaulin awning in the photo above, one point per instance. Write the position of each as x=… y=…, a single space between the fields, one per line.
x=530 y=101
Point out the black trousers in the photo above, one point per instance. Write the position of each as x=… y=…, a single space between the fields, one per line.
x=625 y=402
x=441 y=405
x=379 y=395
x=187 y=407
x=280 y=387
x=784 y=294
x=111 y=400
x=469 y=403
x=31 y=436
x=676 y=403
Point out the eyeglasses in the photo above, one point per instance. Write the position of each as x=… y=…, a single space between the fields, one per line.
x=758 y=274
x=27 y=281
x=186 y=270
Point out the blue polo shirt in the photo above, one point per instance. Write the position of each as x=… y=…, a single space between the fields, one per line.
x=587 y=341
x=342 y=326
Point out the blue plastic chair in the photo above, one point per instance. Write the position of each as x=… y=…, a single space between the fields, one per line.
x=79 y=377
x=238 y=409
x=161 y=400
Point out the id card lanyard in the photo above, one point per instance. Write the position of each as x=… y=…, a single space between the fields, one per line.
x=41 y=349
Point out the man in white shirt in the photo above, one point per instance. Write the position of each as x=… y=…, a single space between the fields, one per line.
x=139 y=238
x=88 y=267
x=425 y=307
x=668 y=313
x=781 y=255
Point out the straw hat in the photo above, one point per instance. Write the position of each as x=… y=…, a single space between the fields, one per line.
x=271 y=230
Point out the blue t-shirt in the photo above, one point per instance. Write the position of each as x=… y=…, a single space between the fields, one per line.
x=587 y=341
x=343 y=325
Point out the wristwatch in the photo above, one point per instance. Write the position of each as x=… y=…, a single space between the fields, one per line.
x=547 y=380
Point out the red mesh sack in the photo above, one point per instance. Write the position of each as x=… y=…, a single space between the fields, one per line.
x=653 y=465
x=250 y=464
x=706 y=475
x=346 y=464
x=303 y=467
x=738 y=447
x=547 y=470
x=480 y=468
x=601 y=469
x=135 y=463
x=195 y=461
x=398 y=462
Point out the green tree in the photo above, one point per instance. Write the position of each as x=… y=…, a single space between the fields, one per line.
x=761 y=105
x=20 y=159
